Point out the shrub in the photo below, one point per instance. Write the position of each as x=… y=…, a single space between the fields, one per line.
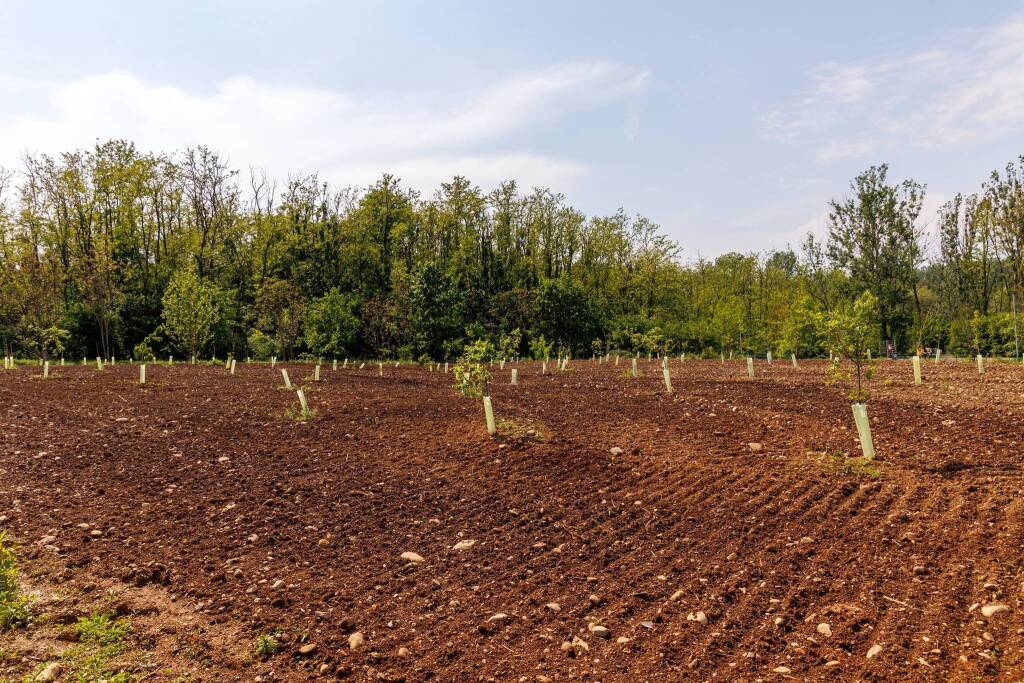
x=333 y=324
x=13 y=602
x=261 y=346
x=471 y=373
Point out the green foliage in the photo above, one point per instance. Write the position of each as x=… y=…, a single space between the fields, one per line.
x=101 y=638
x=102 y=628
x=46 y=341
x=174 y=240
x=566 y=313
x=13 y=602
x=261 y=347
x=989 y=335
x=509 y=344
x=266 y=646
x=541 y=348
x=143 y=352
x=850 y=331
x=333 y=324
x=280 y=309
x=296 y=412
x=190 y=311
x=873 y=235
x=471 y=373
x=436 y=309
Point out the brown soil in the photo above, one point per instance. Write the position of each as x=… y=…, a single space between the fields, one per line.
x=207 y=494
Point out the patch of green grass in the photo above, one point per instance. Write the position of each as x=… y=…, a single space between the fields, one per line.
x=14 y=610
x=298 y=414
x=101 y=638
x=858 y=466
x=266 y=646
x=102 y=628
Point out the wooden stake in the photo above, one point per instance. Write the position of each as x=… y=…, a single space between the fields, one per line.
x=515 y=377
x=916 y=360
x=287 y=381
x=142 y=374
x=302 y=402
x=750 y=367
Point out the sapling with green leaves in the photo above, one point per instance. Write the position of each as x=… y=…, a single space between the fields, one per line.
x=472 y=376
x=471 y=373
x=508 y=344
x=850 y=330
x=541 y=348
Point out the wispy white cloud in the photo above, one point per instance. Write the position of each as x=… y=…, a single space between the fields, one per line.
x=837 y=151
x=348 y=137
x=969 y=88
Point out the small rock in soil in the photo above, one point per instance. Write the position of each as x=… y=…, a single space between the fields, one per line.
x=356 y=640
x=307 y=649
x=825 y=630
x=782 y=670
x=464 y=545
x=616 y=450
x=51 y=673
x=554 y=607
x=403 y=652
x=989 y=611
x=874 y=651
x=411 y=557
x=754 y=446
x=600 y=631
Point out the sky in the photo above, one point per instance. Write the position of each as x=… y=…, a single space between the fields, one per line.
x=731 y=125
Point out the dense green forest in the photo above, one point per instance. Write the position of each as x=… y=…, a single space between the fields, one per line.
x=117 y=252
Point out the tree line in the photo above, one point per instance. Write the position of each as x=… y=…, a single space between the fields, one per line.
x=112 y=251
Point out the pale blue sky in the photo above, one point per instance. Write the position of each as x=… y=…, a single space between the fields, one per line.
x=731 y=126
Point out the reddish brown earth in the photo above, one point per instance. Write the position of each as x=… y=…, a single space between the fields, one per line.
x=205 y=492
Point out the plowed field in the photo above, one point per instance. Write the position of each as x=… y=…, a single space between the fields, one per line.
x=730 y=539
